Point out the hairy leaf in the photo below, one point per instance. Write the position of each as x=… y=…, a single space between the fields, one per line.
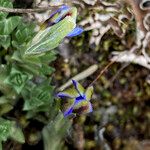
x=50 y=38
x=5 y=41
x=8 y=25
x=9 y=129
x=54 y=132
x=5 y=126
x=7 y=4
x=38 y=96
x=16 y=133
x=24 y=32
x=17 y=79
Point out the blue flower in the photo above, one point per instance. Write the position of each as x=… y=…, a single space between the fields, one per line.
x=75 y=32
x=60 y=14
x=57 y=15
x=78 y=99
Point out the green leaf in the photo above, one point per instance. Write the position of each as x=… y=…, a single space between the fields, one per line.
x=16 y=133
x=22 y=35
x=49 y=57
x=5 y=41
x=7 y=4
x=54 y=132
x=5 y=127
x=38 y=97
x=17 y=79
x=50 y=38
x=46 y=70
x=8 y=25
x=4 y=88
x=24 y=32
x=1 y=146
x=9 y=129
x=41 y=98
x=3 y=100
x=5 y=108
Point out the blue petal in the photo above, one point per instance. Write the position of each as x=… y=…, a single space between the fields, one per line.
x=61 y=12
x=75 y=32
x=70 y=93
x=74 y=83
x=78 y=87
x=64 y=7
x=63 y=95
x=79 y=99
x=68 y=112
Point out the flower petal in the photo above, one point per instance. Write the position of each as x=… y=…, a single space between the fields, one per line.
x=67 y=106
x=88 y=93
x=83 y=107
x=67 y=103
x=90 y=107
x=75 y=32
x=80 y=98
x=57 y=15
x=64 y=7
x=68 y=112
x=70 y=93
x=78 y=87
x=63 y=95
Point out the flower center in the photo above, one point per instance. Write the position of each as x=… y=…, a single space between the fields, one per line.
x=80 y=98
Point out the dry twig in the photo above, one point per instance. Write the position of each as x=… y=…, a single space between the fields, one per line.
x=18 y=10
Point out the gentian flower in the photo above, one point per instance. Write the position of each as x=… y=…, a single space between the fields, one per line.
x=60 y=14
x=78 y=99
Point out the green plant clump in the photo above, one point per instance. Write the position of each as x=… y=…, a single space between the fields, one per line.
x=26 y=92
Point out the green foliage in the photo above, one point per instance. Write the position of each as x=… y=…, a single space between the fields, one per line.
x=5 y=41
x=25 y=78
x=9 y=129
x=5 y=127
x=38 y=96
x=53 y=133
x=50 y=37
x=9 y=24
x=17 y=79
x=7 y=4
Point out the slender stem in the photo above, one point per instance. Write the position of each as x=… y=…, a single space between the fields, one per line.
x=18 y=10
x=101 y=72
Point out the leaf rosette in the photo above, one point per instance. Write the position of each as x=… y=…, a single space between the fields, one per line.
x=17 y=79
